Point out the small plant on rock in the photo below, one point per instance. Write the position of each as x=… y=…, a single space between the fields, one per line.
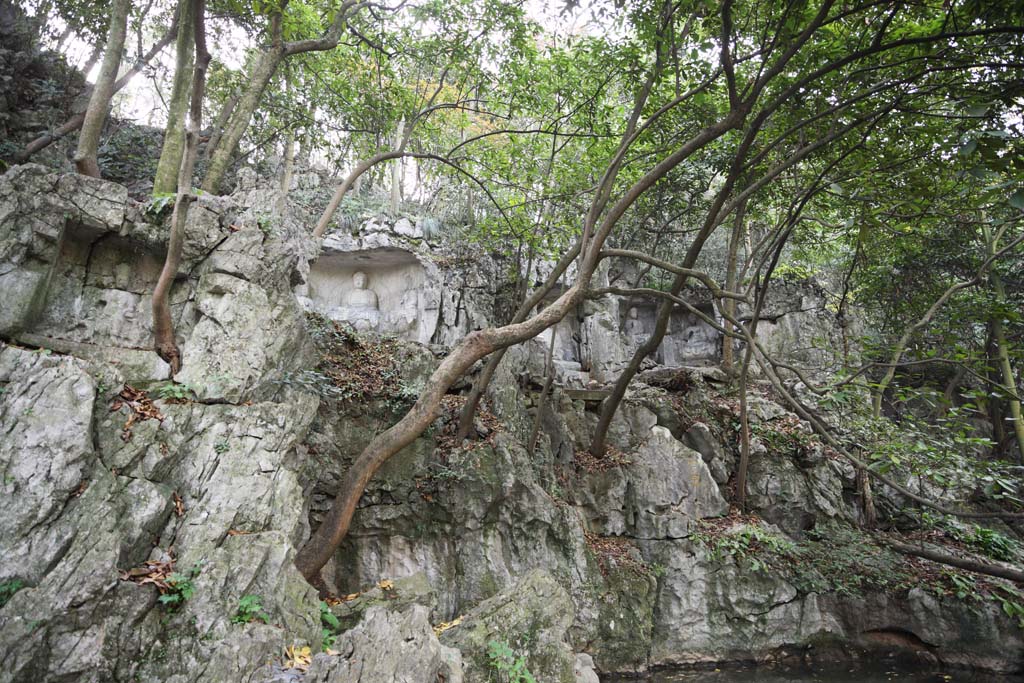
x=250 y=608
x=174 y=392
x=179 y=588
x=8 y=589
x=509 y=667
x=329 y=627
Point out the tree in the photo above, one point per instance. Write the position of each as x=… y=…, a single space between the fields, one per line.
x=600 y=221
x=169 y=164
x=76 y=120
x=99 y=102
x=281 y=26
x=164 y=342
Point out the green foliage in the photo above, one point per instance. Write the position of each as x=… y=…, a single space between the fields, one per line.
x=250 y=608
x=159 y=204
x=751 y=544
x=329 y=627
x=129 y=153
x=8 y=589
x=987 y=541
x=510 y=667
x=180 y=588
x=1009 y=599
x=838 y=558
x=174 y=391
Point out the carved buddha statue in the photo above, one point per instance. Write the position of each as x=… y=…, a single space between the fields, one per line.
x=361 y=297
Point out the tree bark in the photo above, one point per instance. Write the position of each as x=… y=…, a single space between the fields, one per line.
x=164 y=343
x=396 y=168
x=730 y=282
x=99 y=103
x=1002 y=346
x=987 y=568
x=166 y=179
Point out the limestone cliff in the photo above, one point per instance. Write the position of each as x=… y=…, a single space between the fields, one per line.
x=148 y=528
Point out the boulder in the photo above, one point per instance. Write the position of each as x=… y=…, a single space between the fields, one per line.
x=388 y=646
x=528 y=621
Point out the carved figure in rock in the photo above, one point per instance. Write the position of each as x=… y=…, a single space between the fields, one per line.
x=634 y=327
x=405 y=316
x=361 y=296
x=360 y=306
x=122 y=276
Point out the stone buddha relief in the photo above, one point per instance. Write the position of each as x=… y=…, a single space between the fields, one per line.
x=361 y=296
x=360 y=306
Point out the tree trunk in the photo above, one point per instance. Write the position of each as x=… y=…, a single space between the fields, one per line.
x=166 y=179
x=238 y=122
x=222 y=120
x=289 y=163
x=75 y=122
x=92 y=125
x=730 y=283
x=1002 y=350
x=970 y=565
x=396 y=169
x=164 y=342
x=318 y=550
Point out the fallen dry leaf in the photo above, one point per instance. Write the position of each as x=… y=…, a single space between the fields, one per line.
x=298 y=657
x=445 y=625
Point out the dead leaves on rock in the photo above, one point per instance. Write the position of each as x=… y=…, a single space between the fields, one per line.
x=139 y=404
x=611 y=459
x=613 y=552
x=445 y=625
x=155 y=573
x=296 y=657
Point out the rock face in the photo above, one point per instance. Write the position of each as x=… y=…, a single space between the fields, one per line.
x=531 y=619
x=135 y=526
x=388 y=647
x=97 y=485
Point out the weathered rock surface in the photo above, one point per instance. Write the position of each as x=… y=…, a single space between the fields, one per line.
x=532 y=618
x=389 y=647
x=575 y=564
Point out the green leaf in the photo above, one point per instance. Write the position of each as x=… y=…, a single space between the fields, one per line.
x=1017 y=199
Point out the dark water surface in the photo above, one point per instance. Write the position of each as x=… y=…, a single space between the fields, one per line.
x=846 y=674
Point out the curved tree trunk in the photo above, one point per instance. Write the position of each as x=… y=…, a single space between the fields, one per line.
x=346 y=185
x=164 y=342
x=318 y=550
x=166 y=179
x=99 y=102
x=971 y=565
